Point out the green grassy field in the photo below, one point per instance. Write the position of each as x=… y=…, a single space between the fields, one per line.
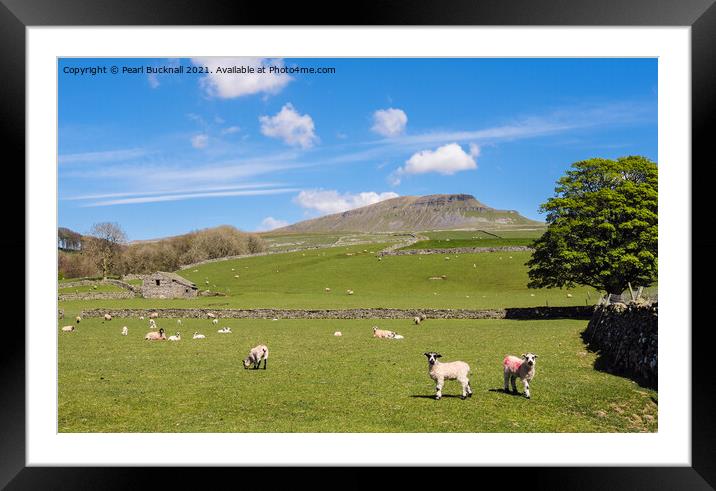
x=298 y=280
x=98 y=288
x=316 y=382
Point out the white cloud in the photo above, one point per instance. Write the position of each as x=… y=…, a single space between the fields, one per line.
x=446 y=160
x=271 y=223
x=327 y=202
x=389 y=122
x=290 y=126
x=230 y=85
x=474 y=150
x=185 y=196
x=230 y=130
x=199 y=141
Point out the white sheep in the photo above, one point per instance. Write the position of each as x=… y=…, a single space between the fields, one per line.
x=224 y=330
x=454 y=370
x=416 y=319
x=68 y=328
x=215 y=321
x=156 y=336
x=125 y=330
x=107 y=317
x=522 y=368
x=257 y=354
x=210 y=315
x=338 y=334
x=154 y=315
x=382 y=333
x=198 y=336
x=78 y=319
x=176 y=337
x=328 y=289
x=349 y=292
x=423 y=317
x=179 y=321
x=152 y=324
x=141 y=317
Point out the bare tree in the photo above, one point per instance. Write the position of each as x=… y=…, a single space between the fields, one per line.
x=105 y=244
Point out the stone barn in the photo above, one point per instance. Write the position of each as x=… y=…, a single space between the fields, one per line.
x=167 y=285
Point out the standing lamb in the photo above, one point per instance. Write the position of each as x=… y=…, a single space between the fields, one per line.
x=78 y=319
x=454 y=370
x=156 y=336
x=416 y=319
x=215 y=321
x=257 y=354
x=125 y=330
x=522 y=368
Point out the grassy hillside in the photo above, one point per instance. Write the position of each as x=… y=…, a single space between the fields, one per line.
x=298 y=280
x=316 y=382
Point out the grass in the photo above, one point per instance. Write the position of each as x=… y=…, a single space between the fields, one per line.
x=97 y=288
x=316 y=382
x=298 y=280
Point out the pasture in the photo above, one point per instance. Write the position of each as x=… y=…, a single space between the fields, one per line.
x=316 y=382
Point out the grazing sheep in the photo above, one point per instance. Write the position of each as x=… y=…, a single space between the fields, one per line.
x=156 y=336
x=416 y=319
x=338 y=333
x=328 y=289
x=423 y=317
x=224 y=330
x=349 y=292
x=215 y=321
x=454 y=370
x=198 y=336
x=68 y=328
x=179 y=321
x=176 y=337
x=125 y=330
x=78 y=319
x=522 y=368
x=154 y=315
x=141 y=317
x=257 y=354
x=107 y=317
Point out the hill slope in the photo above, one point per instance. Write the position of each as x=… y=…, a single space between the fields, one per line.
x=413 y=213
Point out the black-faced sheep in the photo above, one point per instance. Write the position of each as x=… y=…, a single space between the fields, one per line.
x=257 y=354
x=454 y=370
x=156 y=335
x=522 y=368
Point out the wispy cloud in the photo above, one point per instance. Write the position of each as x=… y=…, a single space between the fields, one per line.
x=157 y=192
x=186 y=196
x=101 y=157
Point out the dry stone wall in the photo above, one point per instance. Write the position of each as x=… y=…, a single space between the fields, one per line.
x=456 y=250
x=626 y=338
x=512 y=313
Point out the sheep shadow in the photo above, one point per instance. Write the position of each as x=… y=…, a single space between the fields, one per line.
x=445 y=396
x=507 y=392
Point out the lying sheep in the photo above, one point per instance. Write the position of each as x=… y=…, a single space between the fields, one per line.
x=176 y=337
x=257 y=354
x=338 y=333
x=125 y=330
x=224 y=330
x=156 y=336
x=154 y=315
x=383 y=334
x=198 y=336
x=522 y=368
x=68 y=328
x=349 y=292
x=210 y=315
x=454 y=370
x=107 y=317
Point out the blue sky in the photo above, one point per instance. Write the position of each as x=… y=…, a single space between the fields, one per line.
x=164 y=154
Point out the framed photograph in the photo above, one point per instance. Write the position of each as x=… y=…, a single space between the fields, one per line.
x=441 y=225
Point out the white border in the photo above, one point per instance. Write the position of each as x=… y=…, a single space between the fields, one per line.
x=670 y=446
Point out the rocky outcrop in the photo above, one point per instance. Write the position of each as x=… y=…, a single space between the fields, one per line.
x=625 y=336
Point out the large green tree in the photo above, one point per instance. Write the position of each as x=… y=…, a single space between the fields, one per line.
x=602 y=227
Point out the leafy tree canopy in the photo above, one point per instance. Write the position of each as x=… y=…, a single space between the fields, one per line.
x=602 y=227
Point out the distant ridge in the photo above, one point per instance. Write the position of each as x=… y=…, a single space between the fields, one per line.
x=413 y=214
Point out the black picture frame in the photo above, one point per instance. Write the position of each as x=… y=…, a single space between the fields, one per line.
x=700 y=15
